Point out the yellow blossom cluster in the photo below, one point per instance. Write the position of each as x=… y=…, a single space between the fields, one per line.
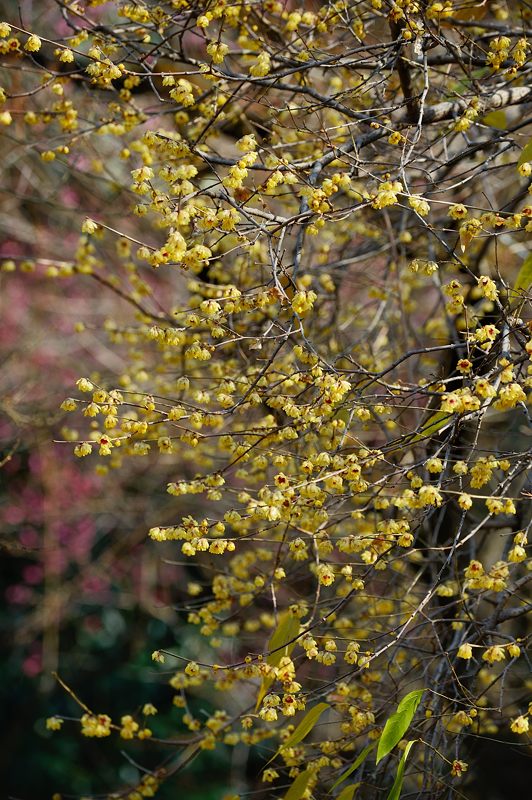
x=320 y=353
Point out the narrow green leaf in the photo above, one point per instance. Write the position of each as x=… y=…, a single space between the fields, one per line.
x=306 y=725
x=297 y=789
x=524 y=278
x=496 y=119
x=397 y=725
x=287 y=629
x=348 y=792
x=395 y=791
x=433 y=425
x=365 y=752
x=526 y=154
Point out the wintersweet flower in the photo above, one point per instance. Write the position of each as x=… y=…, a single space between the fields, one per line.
x=96 y=725
x=493 y=654
x=458 y=768
x=520 y=725
x=465 y=651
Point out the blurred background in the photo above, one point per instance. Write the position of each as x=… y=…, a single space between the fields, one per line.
x=84 y=592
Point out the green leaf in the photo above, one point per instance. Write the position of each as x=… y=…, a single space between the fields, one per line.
x=397 y=725
x=395 y=791
x=524 y=278
x=297 y=789
x=526 y=154
x=496 y=119
x=287 y=629
x=306 y=725
x=348 y=792
x=433 y=425
x=355 y=765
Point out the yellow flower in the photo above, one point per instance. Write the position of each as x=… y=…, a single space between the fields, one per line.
x=429 y=496
x=495 y=653
x=89 y=226
x=458 y=211
x=96 y=726
x=517 y=554
x=494 y=505
x=33 y=44
x=66 y=56
x=458 y=767
x=419 y=205
x=69 y=404
x=129 y=727
x=261 y=67
x=451 y=402
x=268 y=714
x=460 y=468
x=84 y=449
x=464 y=365
x=183 y=93
x=520 y=725
x=465 y=502
x=247 y=143
x=474 y=570
x=351 y=654
x=303 y=302
x=461 y=720
x=509 y=396
x=465 y=651
x=217 y=51
x=269 y=775
x=84 y=385
x=488 y=288
x=470 y=228
x=325 y=575
x=387 y=194
x=53 y=723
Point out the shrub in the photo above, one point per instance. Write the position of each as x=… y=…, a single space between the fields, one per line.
x=316 y=219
